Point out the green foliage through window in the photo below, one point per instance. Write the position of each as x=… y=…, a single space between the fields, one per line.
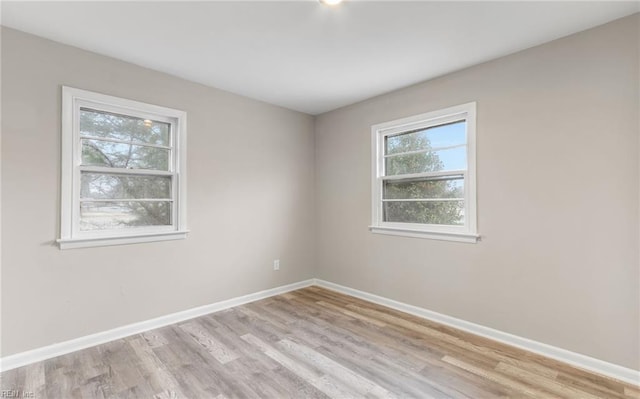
x=425 y=200
x=116 y=200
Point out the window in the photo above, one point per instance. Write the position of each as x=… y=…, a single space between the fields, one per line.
x=424 y=175
x=123 y=171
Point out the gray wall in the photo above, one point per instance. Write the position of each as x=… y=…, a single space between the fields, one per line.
x=250 y=200
x=558 y=190
x=558 y=183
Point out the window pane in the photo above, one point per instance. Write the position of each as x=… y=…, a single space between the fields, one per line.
x=432 y=161
x=424 y=188
x=120 y=155
x=424 y=139
x=120 y=215
x=122 y=127
x=425 y=212
x=111 y=186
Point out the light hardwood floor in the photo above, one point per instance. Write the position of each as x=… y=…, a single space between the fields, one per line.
x=310 y=343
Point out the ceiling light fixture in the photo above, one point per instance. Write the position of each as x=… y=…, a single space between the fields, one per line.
x=331 y=2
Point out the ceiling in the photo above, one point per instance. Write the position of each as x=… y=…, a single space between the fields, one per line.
x=304 y=55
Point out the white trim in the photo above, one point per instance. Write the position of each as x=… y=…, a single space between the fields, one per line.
x=442 y=173
x=470 y=190
x=61 y=348
x=127 y=172
x=66 y=169
x=434 y=235
x=397 y=154
x=156 y=200
x=86 y=242
x=417 y=122
x=70 y=234
x=575 y=359
x=465 y=233
x=121 y=105
x=591 y=364
x=136 y=143
x=394 y=199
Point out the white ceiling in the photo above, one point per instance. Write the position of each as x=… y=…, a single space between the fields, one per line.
x=304 y=55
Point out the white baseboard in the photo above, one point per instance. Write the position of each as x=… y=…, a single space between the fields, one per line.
x=575 y=359
x=62 y=348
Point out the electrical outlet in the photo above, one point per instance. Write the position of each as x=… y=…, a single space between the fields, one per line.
x=276 y=264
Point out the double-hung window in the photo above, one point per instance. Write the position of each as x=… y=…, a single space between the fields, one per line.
x=123 y=171
x=423 y=182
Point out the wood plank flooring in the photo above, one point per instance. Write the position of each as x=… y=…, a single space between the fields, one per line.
x=310 y=343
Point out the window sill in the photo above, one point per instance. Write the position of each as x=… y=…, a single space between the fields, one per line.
x=71 y=243
x=433 y=235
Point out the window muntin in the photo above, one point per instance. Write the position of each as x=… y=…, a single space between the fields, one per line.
x=124 y=144
x=424 y=177
x=123 y=170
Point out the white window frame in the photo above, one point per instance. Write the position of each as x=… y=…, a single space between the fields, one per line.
x=70 y=234
x=467 y=232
